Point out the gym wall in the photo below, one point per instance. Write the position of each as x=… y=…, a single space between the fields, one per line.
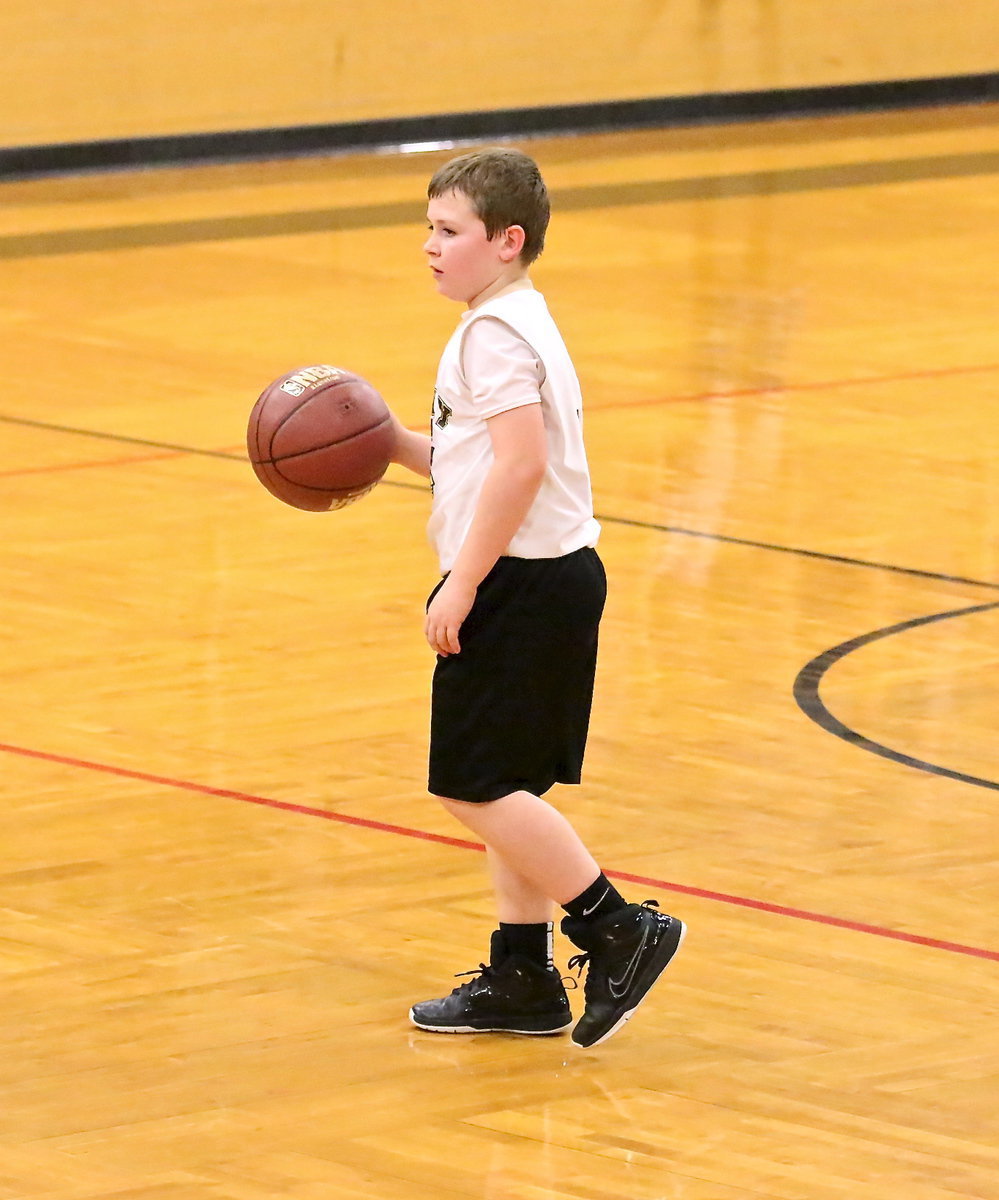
x=120 y=70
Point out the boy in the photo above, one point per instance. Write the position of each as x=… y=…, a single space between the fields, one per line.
x=514 y=619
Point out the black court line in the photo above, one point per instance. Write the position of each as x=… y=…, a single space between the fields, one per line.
x=846 y=560
x=119 y=437
x=373 y=216
x=806 y=693
x=606 y=518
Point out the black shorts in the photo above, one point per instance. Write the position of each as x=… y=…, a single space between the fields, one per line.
x=511 y=711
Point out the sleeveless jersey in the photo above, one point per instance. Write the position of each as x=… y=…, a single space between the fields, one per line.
x=504 y=354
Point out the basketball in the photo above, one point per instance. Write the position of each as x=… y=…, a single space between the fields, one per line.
x=319 y=438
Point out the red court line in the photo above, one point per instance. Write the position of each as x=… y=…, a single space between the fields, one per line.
x=780 y=910
x=96 y=462
x=246 y=797
x=820 y=385
x=803 y=914
x=89 y=464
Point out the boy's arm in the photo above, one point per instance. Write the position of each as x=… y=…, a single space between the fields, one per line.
x=520 y=455
x=412 y=449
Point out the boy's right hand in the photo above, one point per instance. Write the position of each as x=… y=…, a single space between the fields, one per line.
x=446 y=615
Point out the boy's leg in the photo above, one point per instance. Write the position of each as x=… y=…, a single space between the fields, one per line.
x=534 y=840
x=519 y=991
x=526 y=915
x=627 y=946
x=518 y=901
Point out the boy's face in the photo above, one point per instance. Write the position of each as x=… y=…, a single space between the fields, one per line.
x=464 y=261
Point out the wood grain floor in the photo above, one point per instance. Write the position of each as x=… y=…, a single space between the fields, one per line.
x=222 y=882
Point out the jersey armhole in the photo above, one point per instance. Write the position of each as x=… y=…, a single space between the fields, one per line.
x=516 y=333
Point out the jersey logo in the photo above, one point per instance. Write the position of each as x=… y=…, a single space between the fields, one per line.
x=442 y=411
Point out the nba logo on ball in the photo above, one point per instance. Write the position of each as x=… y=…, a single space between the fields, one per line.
x=296 y=384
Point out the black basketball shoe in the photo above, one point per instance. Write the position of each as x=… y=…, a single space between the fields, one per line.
x=510 y=995
x=626 y=951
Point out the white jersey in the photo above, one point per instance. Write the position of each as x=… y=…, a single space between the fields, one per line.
x=505 y=354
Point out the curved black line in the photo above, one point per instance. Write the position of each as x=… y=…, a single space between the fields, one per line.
x=806 y=693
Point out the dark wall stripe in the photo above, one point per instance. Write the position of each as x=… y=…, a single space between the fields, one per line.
x=806 y=693
x=125 y=153
x=371 y=216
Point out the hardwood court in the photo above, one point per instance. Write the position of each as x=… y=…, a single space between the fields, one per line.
x=222 y=882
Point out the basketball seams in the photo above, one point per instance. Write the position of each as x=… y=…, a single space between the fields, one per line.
x=339 y=442
x=324 y=461
x=255 y=432
x=347 y=490
x=326 y=385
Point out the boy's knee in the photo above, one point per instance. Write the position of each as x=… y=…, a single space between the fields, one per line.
x=455 y=807
x=464 y=805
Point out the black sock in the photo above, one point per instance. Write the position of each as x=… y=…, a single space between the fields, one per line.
x=529 y=941
x=599 y=899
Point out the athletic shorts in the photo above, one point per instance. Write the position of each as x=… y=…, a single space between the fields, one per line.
x=511 y=711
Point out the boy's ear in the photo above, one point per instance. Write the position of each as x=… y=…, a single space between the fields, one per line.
x=512 y=242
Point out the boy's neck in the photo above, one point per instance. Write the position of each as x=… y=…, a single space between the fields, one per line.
x=503 y=285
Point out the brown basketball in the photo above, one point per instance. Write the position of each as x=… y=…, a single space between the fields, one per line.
x=320 y=437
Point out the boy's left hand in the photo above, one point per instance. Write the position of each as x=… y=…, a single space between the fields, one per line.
x=445 y=616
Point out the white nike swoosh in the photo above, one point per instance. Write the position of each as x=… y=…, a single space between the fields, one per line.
x=587 y=911
x=618 y=987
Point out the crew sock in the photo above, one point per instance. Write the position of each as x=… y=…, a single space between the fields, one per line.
x=529 y=941
x=599 y=900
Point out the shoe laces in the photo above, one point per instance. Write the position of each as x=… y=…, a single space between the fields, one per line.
x=589 y=985
x=482 y=971
x=578 y=961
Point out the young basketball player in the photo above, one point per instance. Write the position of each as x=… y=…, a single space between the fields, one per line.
x=514 y=619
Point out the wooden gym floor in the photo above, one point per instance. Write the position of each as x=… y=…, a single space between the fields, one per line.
x=222 y=883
